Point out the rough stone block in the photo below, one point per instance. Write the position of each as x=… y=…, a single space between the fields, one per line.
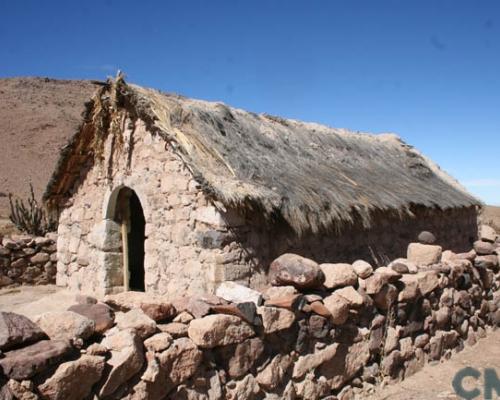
x=236 y=293
x=424 y=254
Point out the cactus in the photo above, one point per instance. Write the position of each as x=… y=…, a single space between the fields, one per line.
x=32 y=219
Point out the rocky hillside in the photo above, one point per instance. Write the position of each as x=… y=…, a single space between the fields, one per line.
x=37 y=117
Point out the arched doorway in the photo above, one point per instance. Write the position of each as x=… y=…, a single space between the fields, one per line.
x=130 y=215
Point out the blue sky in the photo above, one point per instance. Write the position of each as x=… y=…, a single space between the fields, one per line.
x=426 y=70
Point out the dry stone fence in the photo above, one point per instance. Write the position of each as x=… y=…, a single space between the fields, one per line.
x=321 y=331
x=26 y=259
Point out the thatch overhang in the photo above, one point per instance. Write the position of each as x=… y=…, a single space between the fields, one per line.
x=312 y=176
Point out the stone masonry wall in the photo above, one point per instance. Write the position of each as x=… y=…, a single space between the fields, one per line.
x=254 y=244
x=26 y=259
x=182 y=236
x=322 y=331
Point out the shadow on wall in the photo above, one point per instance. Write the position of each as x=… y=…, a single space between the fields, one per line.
x=387 y=239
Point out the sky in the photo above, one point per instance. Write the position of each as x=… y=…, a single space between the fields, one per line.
x=428 y=71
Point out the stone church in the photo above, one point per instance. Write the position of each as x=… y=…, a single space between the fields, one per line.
x=160 y=193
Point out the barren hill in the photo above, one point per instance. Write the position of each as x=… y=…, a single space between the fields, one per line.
x=37 y=116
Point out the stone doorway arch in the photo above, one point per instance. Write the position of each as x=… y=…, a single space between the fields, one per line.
x=128 y=212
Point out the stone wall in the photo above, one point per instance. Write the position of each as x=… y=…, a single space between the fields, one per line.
x=181 y=243
x=322 y=331
x=192 y=244
x=386 y=239
x=26 y=259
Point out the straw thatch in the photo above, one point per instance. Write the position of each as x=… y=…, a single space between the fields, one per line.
x=312 y=176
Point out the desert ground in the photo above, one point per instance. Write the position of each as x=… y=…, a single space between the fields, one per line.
x=433 y=382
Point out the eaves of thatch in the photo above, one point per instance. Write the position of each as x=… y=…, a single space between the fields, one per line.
x=312 y=176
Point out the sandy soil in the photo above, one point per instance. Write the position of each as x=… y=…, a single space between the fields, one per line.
x=37 y=116
x=35 y=300
x=433 y=382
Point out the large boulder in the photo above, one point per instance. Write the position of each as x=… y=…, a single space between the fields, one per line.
x=424 y=254
x=338 y=275
x=219 y=330
x=300 y=272
x=65 y=325
x=31 y=360
x=17 y=330
x=102 y=315
x=276 y=319
x=155 y=307
x=127 y=359
x=237 y=293
x=73 y=379
x=138 y=321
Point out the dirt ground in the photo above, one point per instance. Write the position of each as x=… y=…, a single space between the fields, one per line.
x=35 y=300
x=433 y=382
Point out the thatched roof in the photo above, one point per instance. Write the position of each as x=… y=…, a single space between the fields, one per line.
x=311 y=175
